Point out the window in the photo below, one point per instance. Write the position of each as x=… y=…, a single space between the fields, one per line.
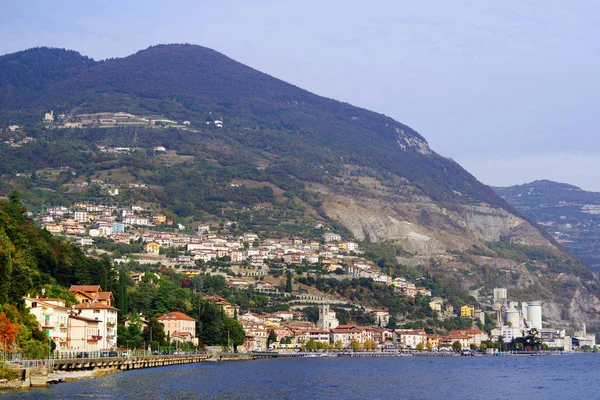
x=96 y=311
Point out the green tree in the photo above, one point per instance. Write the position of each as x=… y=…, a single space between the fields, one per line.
x=154 y=333
x=457 y=346
x=288 y=282
x=355 y=345
x=35 y=350
x=311 y=345
x=272 y=337
x=339 y=345
x=421 y=346
x=232 y=333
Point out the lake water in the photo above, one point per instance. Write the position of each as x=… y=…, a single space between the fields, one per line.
x=548 y=377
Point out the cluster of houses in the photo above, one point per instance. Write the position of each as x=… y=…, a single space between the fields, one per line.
x=328 y=333
x=91 y=324
x=85 y=221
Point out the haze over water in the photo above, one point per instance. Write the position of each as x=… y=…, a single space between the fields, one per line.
x=546 y=377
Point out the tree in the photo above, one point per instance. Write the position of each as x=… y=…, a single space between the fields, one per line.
x=355 y=345
x=339 y=345
x=272 y=337
x=311 y=345
x=8 y=329
x=232 y=333
x=288 y=282
x=134 y=331
x=457 y=346
x=392 y=323
x=429 y=346
x=34 y=350
x=421 y=346
x=154 y=333
x=483 y=347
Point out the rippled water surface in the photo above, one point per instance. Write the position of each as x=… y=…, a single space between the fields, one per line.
x=549 y=377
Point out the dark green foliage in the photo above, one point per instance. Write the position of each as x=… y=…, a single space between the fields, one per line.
x=311 y=135
x=31 y=257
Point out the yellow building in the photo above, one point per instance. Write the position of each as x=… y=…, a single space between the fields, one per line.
x=151 y=247
x=158 y=219
x=467 y=311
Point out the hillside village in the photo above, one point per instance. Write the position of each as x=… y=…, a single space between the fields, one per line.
x=249 y=259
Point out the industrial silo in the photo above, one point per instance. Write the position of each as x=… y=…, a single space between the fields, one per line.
x=534 y=314
x=512 y=317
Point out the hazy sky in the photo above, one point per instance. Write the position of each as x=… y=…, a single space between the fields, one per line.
x=509 y=89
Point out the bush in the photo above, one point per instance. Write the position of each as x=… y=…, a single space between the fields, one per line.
x=8 y=373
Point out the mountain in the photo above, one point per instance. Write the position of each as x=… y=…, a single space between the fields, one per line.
x=569 y=213
x=244 y=147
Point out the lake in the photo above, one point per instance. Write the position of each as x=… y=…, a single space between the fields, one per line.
x=545 y=377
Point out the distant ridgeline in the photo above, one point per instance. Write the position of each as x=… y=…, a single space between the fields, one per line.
x=570 y=214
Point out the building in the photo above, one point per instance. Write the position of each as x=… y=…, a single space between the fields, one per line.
x=83 y=333
x=327 y=318
x=152 y=248
x=53 y=318
x=467 y=311
x=331 y=237
x=107 y=323
x=409 y=338
x=180 y=326
x=382 y=317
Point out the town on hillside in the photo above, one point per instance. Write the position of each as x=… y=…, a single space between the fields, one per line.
x=245 y=262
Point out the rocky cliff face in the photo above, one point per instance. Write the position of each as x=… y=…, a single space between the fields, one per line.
x=448 y=241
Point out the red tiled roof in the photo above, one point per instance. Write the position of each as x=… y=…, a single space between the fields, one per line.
x=175 y=315
x=85 y=288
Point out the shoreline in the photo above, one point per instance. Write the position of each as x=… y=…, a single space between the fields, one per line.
x=60 y=376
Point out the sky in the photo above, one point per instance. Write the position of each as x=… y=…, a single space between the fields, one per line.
x=508 y=89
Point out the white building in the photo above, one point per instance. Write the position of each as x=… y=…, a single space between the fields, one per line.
x=107 y=322
x=327 y=318
x=53 y=316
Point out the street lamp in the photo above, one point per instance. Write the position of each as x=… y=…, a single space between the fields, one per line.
x=4 y=347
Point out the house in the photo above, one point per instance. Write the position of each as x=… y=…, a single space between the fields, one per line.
x=382 y=317
x=229 y=309
x=409 y=338
x=91 y=294
x=331 y=237
x=53 y=318
x=467 y=311
x=346 y=334
x=436 y=304
x=83 y=333
x=107 y=323
x=179 y=325
x=476 y=336
x=152 y=248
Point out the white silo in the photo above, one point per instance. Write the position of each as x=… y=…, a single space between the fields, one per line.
x=512 y=317
x=534 y=314
x=500 y=295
